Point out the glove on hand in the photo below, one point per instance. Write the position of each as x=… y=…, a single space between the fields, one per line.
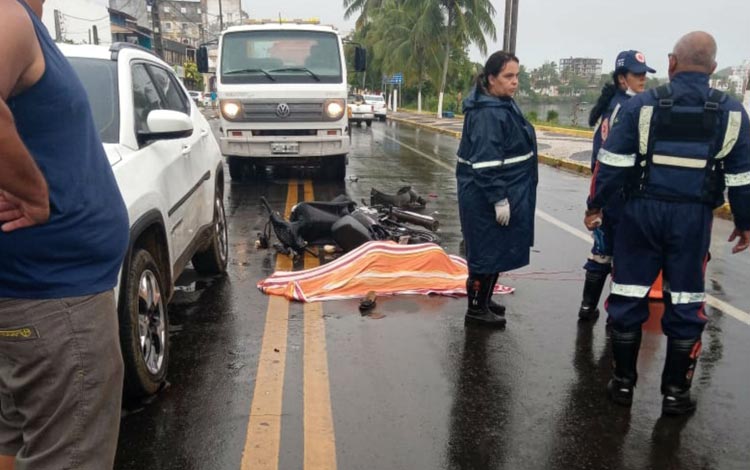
x=502 y=212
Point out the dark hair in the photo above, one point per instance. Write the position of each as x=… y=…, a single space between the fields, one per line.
x=608 y=92
x=493 y=66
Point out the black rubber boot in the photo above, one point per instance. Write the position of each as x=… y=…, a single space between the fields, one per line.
x=625 y=348
x=496 y=308
x=478 y=290
x=682 y=356
x=592 y=292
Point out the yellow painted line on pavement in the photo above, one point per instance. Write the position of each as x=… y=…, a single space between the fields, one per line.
x=264 y=427
x=320 y=440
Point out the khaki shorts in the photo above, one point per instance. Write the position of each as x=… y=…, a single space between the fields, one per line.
x=60 y=382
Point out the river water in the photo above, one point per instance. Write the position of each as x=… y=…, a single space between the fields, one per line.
x=570 y=114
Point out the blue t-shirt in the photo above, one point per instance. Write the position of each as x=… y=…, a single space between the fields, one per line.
x=79 y=251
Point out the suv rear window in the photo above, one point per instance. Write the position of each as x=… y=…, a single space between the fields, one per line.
x=99 y=78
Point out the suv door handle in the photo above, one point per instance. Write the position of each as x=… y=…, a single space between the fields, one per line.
x=204 y=133
x=186 y=149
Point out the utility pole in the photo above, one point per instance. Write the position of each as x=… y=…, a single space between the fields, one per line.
x=221 y=18
x=511 y=26
x=156 y=28
x=58 y=27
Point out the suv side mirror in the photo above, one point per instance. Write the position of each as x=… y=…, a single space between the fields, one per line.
x=164 y=124
x=201 y=58
x=360 y=59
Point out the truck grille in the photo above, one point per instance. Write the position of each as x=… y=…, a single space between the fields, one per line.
x=298 y=111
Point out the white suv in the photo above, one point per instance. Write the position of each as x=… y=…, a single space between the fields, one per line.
x=378 y=104
x=169 y=170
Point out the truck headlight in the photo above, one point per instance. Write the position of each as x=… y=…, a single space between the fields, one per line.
x=334 y=109
x=230 y=109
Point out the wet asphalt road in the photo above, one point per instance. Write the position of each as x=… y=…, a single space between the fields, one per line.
x=409 y=387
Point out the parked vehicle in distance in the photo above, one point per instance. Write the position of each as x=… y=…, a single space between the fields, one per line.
x=359 y=111
x=198 y=97
x=170 y=172
x=379 y=107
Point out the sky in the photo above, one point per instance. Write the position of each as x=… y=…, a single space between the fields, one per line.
x=552 y=29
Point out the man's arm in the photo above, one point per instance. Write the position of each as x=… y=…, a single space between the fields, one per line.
x=24 y=198
x=737 y=179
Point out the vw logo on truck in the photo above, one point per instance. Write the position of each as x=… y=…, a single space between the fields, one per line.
x=282 y=110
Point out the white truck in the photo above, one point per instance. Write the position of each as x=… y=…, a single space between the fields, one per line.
x=282 y=91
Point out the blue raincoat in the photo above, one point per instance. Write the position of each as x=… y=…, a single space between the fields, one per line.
x=497 y=159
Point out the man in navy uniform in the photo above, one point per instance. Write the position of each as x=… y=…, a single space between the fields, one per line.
x=674 y=150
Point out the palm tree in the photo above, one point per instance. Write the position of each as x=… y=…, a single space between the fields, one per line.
x=365 y=8
x=407 y=39
x=464 y=22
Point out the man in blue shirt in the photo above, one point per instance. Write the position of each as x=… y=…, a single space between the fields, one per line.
x=63 y=235
x=674 y=151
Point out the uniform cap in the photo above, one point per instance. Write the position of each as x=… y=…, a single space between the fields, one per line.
x=633 y=62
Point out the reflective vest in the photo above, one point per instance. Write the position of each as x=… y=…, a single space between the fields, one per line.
x=681 y=149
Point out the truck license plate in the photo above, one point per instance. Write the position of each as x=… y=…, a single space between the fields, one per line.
x=285 y=148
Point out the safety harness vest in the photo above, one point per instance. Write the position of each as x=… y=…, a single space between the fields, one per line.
x=681 y=149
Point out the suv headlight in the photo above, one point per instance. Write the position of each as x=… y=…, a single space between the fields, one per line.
x=231 y=109
x=334 y=109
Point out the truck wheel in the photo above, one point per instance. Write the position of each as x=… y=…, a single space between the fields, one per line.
x=213 y=260
x=236 y=167
x=369 y=123
x=144 y=326
x=335 y=167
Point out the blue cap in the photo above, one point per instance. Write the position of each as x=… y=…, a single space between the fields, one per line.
x=633 y=62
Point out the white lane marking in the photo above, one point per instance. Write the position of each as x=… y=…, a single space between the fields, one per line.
x=718 y=304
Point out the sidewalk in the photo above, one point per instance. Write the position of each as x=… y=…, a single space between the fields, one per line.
x=567 y=149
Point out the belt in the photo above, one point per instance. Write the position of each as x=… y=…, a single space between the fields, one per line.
x=494 y=163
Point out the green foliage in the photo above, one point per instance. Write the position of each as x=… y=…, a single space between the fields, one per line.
x=193 y=78
x=532 y=116
x=553 y=116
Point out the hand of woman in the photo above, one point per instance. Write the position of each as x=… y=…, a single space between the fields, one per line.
x=502 y=212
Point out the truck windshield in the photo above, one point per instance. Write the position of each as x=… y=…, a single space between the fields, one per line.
x=286 y=56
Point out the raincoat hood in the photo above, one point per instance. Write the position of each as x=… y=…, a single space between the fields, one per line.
x=477 y=99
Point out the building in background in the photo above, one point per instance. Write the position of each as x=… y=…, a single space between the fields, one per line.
x=138 y=9
x=77 y=21
x=583 y=67
x=125 y=28
x=182 y=21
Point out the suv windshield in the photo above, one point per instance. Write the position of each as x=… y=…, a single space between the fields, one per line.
x=281 y=56
x=99 y=78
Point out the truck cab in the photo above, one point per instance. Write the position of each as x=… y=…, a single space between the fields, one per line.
x=282 y=93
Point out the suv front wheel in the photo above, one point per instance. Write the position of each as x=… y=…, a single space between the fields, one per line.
x=144 y=326
x=213 y=260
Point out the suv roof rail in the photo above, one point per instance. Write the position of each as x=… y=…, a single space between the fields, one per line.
x=116 y=47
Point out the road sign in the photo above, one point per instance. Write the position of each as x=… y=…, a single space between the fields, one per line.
x=396 y=79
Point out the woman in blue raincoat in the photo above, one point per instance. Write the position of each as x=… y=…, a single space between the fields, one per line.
x=497 y=175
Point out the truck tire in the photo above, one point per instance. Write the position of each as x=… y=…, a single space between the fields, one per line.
x=144 y=326
x=236 y=168
x=335 y=167
x=213 y=260
x=369 y=123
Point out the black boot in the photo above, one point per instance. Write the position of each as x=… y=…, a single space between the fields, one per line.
x=478 y=290
x=625 y=346
x=592 y=291
x=496 y=308
x=682 y=356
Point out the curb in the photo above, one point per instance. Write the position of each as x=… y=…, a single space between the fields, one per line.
x=723 y=212
x=560 y=130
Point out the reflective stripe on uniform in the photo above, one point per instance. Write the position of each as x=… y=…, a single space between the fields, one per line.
x=733 y=132
x=494 y=163
x=616 y=159
x=739 y=179
x=613 y=117
x=679 y=161
x=629 y=290
x=644 y=127
x=682 y=298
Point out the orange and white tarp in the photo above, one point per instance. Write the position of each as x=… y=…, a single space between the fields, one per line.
x=386 y=268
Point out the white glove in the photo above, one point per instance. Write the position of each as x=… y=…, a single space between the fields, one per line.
x=502 y=212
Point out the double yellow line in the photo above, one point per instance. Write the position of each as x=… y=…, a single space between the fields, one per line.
x=264 y=427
